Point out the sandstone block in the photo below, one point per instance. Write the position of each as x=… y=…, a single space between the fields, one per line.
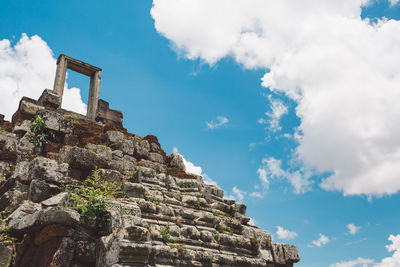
x=114 y=136
x=50 y=99
x=134 y=189
x=40 y=190
x=47 y=169
x=291 y=253
x=155 y=157
x=81 y=158
x=6 y=254
x=55 y=121
x=85 y=252
x=143 y=172
x=176 y=161
x=60 y=199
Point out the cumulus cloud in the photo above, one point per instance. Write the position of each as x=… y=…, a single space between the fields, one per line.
x=353 y=229
x=359 y=262
x=221 y=121
x=285 y=234
x=26 y=69
x=342 y=71
x=191 y=168
x=393 y=260
x=322 y=240
x=271 y=168
x=237 y=194
x=278 y=109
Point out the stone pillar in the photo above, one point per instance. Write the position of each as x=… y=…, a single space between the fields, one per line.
x=60 y=76
x=94 y=95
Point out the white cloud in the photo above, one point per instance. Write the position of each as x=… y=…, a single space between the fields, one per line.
x=342 y=71
x=26 y=69
x=322 y=240
x=353 y=229
x=285 y=234
x=278 y=109
x=257 y=194
x=237 y=194
x=271 y=168
x=175 y=149
x=359 y=262
x=191 y=168
x=394 y=2
x=221 y=121
x=394 y=260
x=262 y=121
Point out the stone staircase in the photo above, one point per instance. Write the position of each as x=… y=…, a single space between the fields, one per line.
x=162 y=216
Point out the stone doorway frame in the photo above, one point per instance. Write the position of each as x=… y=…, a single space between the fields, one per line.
x=65 y=62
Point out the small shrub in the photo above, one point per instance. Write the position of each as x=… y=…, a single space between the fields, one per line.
x=149 y=198
x=90 y=198
x=165 y=235
x=41 y=135
x=179 y=247
x=255 y=243
x=222 y=228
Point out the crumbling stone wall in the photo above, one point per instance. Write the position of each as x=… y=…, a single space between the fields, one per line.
x=158 y=199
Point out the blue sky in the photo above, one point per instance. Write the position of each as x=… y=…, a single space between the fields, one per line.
x=311 y=148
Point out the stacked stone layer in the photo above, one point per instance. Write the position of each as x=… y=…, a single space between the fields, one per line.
x=163 y=217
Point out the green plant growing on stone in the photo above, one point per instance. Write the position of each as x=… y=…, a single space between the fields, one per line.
x=197 y=203
x=179 y=247
x=41 y=135
x=149 y=198
x=90 y=198
x=165 y=234
x=4 y=235
x=268 y=241
x=255 y=243
x=222 y=228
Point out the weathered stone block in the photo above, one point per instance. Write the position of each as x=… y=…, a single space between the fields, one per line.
x=81 y=158
x=6 y=254
x=55 y=121
x=155 y=157
x=278 y=253
x=143 y=172
x=40 y=190
x=134 y=189
x=47 y=169
x=85 y=252
x=49 y=232
x=142 y=148
x=291 y=253
x=114 y=136
x=26 y=110
x=108 y=116
x=175 y=160
x=22 y=127
x=22 y=146
x=10 y=200
x=60 y=199
x=50 y=99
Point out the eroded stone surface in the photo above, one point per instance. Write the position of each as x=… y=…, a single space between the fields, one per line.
x=161 y=216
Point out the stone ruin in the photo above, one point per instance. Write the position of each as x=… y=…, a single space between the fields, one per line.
x=160 y=216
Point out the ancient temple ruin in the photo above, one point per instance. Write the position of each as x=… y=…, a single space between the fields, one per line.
x=147 y=210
